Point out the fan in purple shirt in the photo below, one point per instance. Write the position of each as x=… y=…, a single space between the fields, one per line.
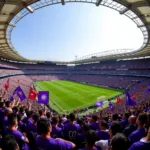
x=94 y=125
x=21 y=125
x=136 y=135
x=56 y=131
x=60 y=124
x=10 y=143
x=124 y=121
x=12 y=129
x=46 y=142
x=2 y=109
x=103 y=134
x=22 y=111
x=71 y=129
x=27 y=120
x=119 y=142
x=6 y=113
x=48 y=115
x=32 y=127
x=143 y=144
x=131 y=127
x=42 y=113
x=81 y=136
x=90 y=141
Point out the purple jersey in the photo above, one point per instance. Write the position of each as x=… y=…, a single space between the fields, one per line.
x=94 y=125
x=56 y=132
x=27 y=121
x=71 y=131
x=32 y=127
x=129 y=129
x=141 y=145
x=5 y=121
x=60 y=125
x=52 y=144
x=20 y=138
x=21 y=126
x=136 y=135
x=102 y=135
x=2 y=111
x=80 y=140
x=124 y=123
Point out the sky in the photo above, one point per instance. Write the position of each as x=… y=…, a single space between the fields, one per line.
x=76 y=29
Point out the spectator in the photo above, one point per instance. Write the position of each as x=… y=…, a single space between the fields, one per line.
x=33 y=126
x=42 y=113
x=6 y=113
x=56 y=131
x=12 y=129
x=81 y=136
x=10 y=143
x=28 y=119
x=140 y=131
x=114 y=129
x=143 y=144
x=124 y=121
x=94 y=125
x=44 y=140
x=71 y=129
x=21 y=125
x=90 y=140
x=119 y=142
x=103 y=134
x=131 y=127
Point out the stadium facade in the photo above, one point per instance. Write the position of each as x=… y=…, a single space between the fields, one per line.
x=12 y=11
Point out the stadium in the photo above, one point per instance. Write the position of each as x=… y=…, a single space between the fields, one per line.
x=101 y=90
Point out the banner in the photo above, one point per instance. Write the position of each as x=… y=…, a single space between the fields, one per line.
x=43 y=97
x=19 y=92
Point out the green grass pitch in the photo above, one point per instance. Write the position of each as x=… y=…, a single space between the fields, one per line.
x=66 y=96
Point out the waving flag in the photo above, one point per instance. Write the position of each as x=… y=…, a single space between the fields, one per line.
x=129 y=100
x=99 y=104
x=19 y=92
x=7 y=85
x=133 y=96
x=118 y=99
x=43 y=97
x=32 y=94
x=110 y=106
x=148 y=90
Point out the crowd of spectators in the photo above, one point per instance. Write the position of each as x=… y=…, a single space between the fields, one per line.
x=21 y=128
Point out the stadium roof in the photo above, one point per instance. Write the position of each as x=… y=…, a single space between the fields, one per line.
x=11 y=11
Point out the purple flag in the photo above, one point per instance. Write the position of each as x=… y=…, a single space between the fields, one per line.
x=11 y=98
x=99 y=104
x=19 y=93
x=146 y=94
x=43 y=97
x=129 y=100
x=110 y=106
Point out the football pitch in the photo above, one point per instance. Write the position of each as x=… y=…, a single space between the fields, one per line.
x=66 y=96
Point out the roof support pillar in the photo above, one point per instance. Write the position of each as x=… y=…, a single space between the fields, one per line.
x=13 y=25
x=98 y=2
x=63 y=2
x=29 y=9
x=140 y=26
x=123 y=11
